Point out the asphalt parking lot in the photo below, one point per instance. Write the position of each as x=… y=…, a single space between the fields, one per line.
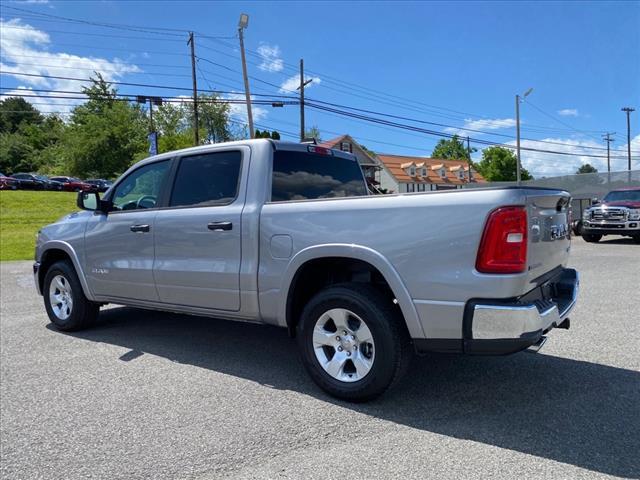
x=154 y=395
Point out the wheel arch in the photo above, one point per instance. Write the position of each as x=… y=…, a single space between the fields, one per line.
x=55 y=251
x=341 y=255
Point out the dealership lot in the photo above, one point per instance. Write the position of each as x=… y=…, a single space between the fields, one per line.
x=156 y=395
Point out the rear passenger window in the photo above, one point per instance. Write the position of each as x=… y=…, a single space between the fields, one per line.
x=207 y=179
x=304 y=176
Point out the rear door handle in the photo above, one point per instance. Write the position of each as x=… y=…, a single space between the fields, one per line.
x=140 y=228
x=219 y=226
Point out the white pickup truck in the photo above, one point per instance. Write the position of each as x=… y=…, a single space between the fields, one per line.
x=287 y=234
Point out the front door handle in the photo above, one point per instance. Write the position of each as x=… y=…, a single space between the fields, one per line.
x=219 y=226
x=140 y=228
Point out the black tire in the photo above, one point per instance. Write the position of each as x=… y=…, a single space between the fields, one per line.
x=636 y=238
x=591 y=237
x=577 y=230
x=393 y=349
x=83 y=312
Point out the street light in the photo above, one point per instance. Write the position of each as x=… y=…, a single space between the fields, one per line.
x=518 y=163
x=242 y=24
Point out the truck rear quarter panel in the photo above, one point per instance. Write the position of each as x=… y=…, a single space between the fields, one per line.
x=429 y=240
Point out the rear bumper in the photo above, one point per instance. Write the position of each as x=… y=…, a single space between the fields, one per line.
x=507 y=326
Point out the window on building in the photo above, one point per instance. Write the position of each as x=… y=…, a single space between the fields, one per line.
x=424 y=171
x=346 y=147
x=443 y=173
x=412 y=171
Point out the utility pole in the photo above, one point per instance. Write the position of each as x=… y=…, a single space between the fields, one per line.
x=608 y=139
x=469 y=155
x=196 y=136
x=518 y=159
x=242 y=24
x=301 y=88
x=628 y=111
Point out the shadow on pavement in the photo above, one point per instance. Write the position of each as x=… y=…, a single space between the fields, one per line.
x=575 y=412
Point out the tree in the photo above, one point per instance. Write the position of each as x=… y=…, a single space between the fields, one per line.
x=267 y=134
x=452 y=149
x=25 y=136
x=313 y=132
x=587 y=168
x=15 y=111
x=105 y=134
x=499 y=165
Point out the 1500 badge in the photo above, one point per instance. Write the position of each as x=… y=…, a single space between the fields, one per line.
x=558 y=231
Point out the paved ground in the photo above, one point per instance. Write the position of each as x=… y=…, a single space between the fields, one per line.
x=151 y=395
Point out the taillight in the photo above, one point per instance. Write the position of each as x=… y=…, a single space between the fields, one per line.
x=503 y=248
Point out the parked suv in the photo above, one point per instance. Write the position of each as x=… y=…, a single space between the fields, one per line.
x=617 y=214
x=286 y=234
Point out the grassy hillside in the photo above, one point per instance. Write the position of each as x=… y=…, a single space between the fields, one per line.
x=22 y=213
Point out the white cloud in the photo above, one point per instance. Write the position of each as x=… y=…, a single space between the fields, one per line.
x=25 y=49
x=541 y=164
x=482 y=124
x=238 y=111
x=568 y=112
x=291 y=83
x=271 y=61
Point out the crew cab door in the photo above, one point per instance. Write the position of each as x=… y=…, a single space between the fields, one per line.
x=198 y=237
x=119 y=248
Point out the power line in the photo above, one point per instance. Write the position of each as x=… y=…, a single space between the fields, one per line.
x=98 y=69
x=154 y=30
x=107 y=35
x=166 y=87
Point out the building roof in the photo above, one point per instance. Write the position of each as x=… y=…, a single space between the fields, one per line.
x=394 y=164
x=335 y=143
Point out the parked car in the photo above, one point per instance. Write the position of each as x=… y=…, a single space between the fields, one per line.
x=617 y=214
x=286 y=234
x=73 y=184
x=51 y=184
x=7 y=183
x=99 y=184
x=29 y=181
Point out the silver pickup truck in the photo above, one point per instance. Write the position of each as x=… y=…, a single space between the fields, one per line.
x=287 y=234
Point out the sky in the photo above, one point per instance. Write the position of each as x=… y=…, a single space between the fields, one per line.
x=442 y=67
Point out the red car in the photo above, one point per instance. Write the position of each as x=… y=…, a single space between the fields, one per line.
x=7 y=183
x=72 y=184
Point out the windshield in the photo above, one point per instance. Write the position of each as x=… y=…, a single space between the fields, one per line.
x=41 y=177
x=622 y=196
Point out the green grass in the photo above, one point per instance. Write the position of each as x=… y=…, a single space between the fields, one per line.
x=23 y=213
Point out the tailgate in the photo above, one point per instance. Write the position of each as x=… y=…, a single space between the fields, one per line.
x=549 y=230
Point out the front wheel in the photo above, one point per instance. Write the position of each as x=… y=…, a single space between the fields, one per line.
x=353 y=341
x=636 y=238
x=64 y=300
x=591 y=237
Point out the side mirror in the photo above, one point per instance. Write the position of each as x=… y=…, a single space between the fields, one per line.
x=89 y=201
x=595 y=201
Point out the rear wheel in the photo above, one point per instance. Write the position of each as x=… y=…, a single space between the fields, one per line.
x=64 y=300
x=591 y=237
x=353 y=341
x=636 y=238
